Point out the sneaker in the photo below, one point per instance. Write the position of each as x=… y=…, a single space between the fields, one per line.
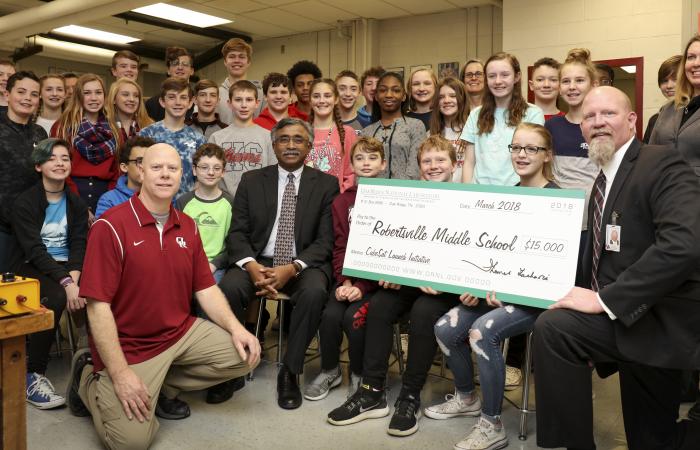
x=694 y=412
x=363 y=404
x=354 y=384
x=484 y=436
x=41 y=393
x=513 y=378
x=454 y=406
x=404 y=422
x=81 y=359
x=171 y=408
x=319 y=388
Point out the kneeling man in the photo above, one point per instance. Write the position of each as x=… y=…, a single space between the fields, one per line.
x=637 y=307
x=144 y=261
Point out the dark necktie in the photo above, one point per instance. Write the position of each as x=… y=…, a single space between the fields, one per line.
x=598 y=199
x=284 y=242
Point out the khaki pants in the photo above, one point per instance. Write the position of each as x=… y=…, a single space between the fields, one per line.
x=203 y=357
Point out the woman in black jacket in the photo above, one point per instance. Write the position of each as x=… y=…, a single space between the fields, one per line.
x=50 y=223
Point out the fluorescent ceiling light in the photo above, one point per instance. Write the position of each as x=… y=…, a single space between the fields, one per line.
x=629 y=69
x=181 y=15
x=94 y=35
x=75 y=48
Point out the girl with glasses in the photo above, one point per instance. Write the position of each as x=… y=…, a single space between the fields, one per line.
x=482 y=324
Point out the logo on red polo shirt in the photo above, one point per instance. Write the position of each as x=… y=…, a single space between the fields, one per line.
x=181 y=241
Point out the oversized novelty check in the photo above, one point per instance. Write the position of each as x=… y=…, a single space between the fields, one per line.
x=520 y=242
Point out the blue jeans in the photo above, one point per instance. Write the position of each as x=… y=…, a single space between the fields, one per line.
x=484 y=327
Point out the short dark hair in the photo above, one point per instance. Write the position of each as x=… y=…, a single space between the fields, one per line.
x=606 y=68
x=546 y=61
x=346 y=73
x=242 y=85
x=205 y=84
x=303 y=67
x=274 y=79
x=69 y=75
x=7 y=62
x=376 y=72
x=209 y=149
x=21 y=75
x=128 y=54
x=173 y=53
x=175 y=84
x=133 y=141
x=669 y=68
x=44 y=149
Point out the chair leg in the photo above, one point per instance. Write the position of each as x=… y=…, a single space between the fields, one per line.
x=280 y=333
x=524 y=403
x=257 y=330
x=399 y=349
x=71 y=340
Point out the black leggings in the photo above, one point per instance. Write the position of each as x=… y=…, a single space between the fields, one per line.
x=386 y=307
x=339 y=316
x=53 y=297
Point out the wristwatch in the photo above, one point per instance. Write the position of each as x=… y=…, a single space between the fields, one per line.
x=297 y=267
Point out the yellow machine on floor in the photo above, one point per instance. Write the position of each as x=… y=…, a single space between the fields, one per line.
x=18 y=295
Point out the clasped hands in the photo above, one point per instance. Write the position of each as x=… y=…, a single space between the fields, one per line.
x=269 y=279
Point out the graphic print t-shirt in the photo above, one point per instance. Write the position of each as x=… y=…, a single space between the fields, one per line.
x=54 y=231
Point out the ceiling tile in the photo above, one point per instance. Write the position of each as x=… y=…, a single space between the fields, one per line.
x=285 y=19
x=235 y=6
x=371 y=9
x=319 y=11
x=421 y=6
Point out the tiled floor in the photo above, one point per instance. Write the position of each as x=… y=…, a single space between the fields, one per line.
x=252 y=420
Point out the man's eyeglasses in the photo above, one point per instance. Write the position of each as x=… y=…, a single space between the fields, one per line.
x=136 y=161
x=529 y=149
x=177 y=63
x=298 y=140
x=206 y=169
x=476 y=75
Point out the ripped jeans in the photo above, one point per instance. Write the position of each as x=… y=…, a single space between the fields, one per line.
x=484 y=328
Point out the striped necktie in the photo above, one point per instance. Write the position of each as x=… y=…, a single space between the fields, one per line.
x=598 y=199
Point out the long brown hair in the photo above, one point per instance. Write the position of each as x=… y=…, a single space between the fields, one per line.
x=437 y=120
x=684 y=89
x=141 y=116
x=517 y=106
x=70 y=119
x=336 y=110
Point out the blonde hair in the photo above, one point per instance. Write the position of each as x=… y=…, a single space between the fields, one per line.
x=140 y=116
x=582 y=57
x=411 y=101
x=684 y=89
x=439 y=143
x=70 y=119
x=543 y=133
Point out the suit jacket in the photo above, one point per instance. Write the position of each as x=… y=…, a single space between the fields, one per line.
x=686 y=138
x=653 y=284
x=255 y=211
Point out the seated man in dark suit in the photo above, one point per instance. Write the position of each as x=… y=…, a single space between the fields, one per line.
x=637 y=306
x=281 y=239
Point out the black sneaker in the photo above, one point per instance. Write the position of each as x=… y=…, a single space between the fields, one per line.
x=172 y=408
x=694 y=412
x=224 y=391
x=363 y=404
x=81 y=359
x=404 y=422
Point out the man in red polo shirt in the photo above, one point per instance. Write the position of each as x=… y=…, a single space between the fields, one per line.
x=143 y=263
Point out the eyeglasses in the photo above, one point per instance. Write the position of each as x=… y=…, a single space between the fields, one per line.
x=136 y=161
x=605 y=82
x=176 y=63
x=474 y=75
x=298 y=140
x=205 y=169
x=529 y=149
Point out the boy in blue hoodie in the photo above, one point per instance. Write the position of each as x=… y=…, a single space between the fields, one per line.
x=130 y=156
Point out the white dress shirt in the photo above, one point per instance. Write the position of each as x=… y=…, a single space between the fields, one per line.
x=610 y=170
x=269 y=250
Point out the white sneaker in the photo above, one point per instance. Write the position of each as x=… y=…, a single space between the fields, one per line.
x=484 y=436
x=454 y=406
x=513 y=378
x=319 y=388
